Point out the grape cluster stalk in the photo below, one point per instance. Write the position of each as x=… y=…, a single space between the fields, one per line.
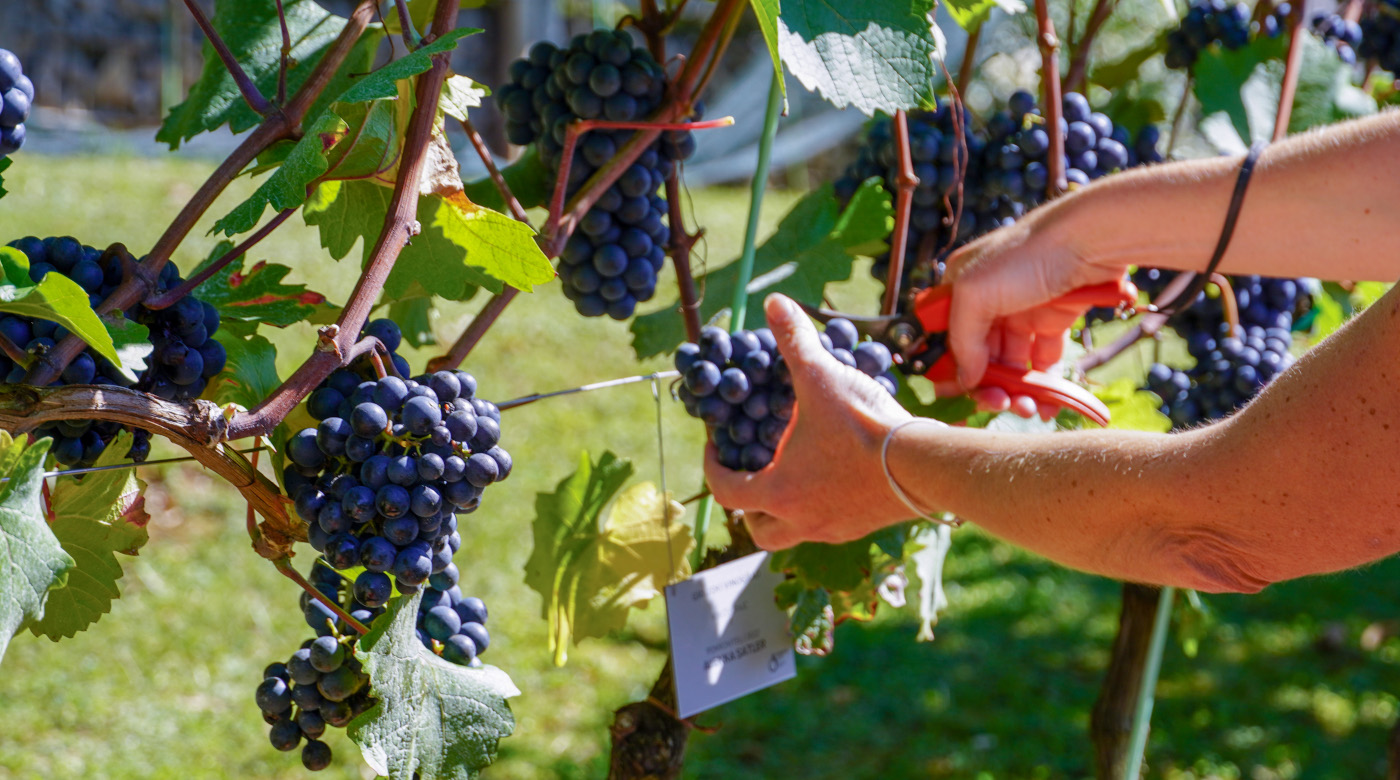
x=611 y=262
x=740 y=386
x=184 y=358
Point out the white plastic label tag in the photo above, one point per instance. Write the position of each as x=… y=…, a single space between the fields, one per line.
x=728 y=637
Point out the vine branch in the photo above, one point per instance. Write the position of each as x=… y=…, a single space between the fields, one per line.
x=484 y=152
x=1291 y=71
x=969 y=58
x=1079 y=63
x=12 y=350
x=172 y=296
x=681 y=244
x=905 y=182
x=1050 y=88
x=246 y=87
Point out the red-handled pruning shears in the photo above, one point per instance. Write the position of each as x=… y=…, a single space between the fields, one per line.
x=919 y=340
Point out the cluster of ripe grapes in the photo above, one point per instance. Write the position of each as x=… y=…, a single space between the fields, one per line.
x=1230 y=368
x=1212 y=22
x=740 y=386
x=611 y=262
x=1342 y=35
x=1380 y=35
x=16 y=96
x=997 y=173
x=184 y=359
x=380 y=480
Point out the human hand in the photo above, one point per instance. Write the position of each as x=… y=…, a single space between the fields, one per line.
x=826 y=483
x=1002 y=286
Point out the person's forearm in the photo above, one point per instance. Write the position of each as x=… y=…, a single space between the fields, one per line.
x=1318 y=204
x=1305 y=479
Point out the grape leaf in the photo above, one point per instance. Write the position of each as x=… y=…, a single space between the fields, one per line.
x=32 y=562
x=286 y=187
x=463 y=246
x=931 y=543
x=412 y=316
x=970 y=14
x=875 y=55
x=766 y=12
x=1112 y=75
x=460 y=93
x=813 y=619
x=1132 y=408
x=132 y=342
x=527 y=178
x=434 y=719
x=592 y=571
x=4 y=166
x=258 y=296
x=95 y=518
x=250 y=374
x=813 y=246
x=850 y=572
x=59 y=299
x=254 y=35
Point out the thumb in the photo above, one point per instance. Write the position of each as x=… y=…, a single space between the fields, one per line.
x=796 y=336
x=969 y=322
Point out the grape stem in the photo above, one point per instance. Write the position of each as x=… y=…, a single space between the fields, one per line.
x=172 y=296
x=682 y=242
x=1147 y=326
x=905 y=182
x=278 y=127
x=410 y=34
x=474 y=331
x=1079 y=63
x=286 y=55
x=400 y=224
x=502 y=186
x=969 y=57
x=284 y=565
x=1180 y=111
x=1232 y=308
x=1291 y=71
x=13 y=350
x=249 y=90
x=1050 y=89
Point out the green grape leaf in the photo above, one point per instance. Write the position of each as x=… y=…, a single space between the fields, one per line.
x=463 y=246
x=249 y=376
x=258 y=296
x=931 y=543
x=970 y=14
x=875 y=55
x=59 y=299
x=383 y=83
x=286 y=187
x=814 y=245
x=413 y=317
x=592 y=570
x=1132 y=408
x=1115 y=74
x=372 y=142
x=95 y=517
x=460 y=93
x=434 y=719
x=850 y=573
x=1239 y=90
x=813 y=619
x=131 y=341
x=766 y=12
x=527 y=178
x=4 y=166
x=254 y=35
x=32 y=562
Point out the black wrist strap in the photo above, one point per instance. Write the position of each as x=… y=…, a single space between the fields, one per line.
x=1232 y=215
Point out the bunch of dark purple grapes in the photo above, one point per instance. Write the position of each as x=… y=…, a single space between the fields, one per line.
x=1380 y=35
x=381 y=479
x=185 y=357
x=1230 y=368
x=740 y=386
x=611 y=261
x=16 y=96
x=1342 y=35
x=1216 y=22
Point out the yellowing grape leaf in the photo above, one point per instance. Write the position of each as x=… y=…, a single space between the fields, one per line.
x=590 y=570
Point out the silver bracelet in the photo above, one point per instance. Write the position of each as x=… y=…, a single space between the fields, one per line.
x=943 y=519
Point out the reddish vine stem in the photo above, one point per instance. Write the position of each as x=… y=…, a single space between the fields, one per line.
x=405 y=24
x=681 y=244
x=1351 y=11
x=481 y=323
x=969 y=58
x=1147 y=326
x=653 y=25
x=484 y=152
x=1050 y=88
x=249 y=90
x=172 y=296
x=1079 y=63
x=905 y=183
x=726 y=37
x=284 y=565
x=1290 y=72
x=1232 y=307
x=12 y=350
x=273 y=129
x=400 y=224
x=286 y=55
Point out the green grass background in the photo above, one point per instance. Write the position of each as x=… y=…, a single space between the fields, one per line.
x=1283 y=685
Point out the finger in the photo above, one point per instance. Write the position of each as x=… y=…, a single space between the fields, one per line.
x=969 y=324
x=1024 y=406
x=991 y=399
x=1016 y=346
x=1048 y=351
x=734 y=489
x=769 y=532
x=1048 y=412
x=796 y=336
